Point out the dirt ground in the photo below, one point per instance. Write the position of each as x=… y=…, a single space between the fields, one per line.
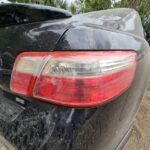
x=140 y=138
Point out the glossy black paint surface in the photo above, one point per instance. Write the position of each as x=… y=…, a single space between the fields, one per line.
x=30 y=124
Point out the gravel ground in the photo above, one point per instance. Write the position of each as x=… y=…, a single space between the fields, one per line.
x=140 y=138
x=4 y=145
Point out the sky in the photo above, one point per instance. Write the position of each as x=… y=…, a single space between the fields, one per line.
x=69 y=1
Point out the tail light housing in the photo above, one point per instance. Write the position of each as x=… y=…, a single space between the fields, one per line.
x=75 y=79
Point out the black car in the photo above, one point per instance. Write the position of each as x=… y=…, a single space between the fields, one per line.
x=70 y=82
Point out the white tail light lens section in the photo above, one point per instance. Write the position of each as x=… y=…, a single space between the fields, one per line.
x=25 y=70
x=75 y=79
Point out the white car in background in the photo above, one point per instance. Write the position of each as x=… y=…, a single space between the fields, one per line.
x=4 y=1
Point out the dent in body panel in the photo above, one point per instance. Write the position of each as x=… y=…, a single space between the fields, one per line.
x=121 y=19
x=86 y=38
x=115 y=29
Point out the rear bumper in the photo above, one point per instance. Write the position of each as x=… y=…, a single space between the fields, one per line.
x=39 y=127
x=4 y=144
x=35 y=125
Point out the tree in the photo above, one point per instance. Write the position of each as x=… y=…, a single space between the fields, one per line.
x=143 y=7
x=130 y=3
x=54 y=3
x=79 y=4
x=73 y=8
x=91 y=5
x=144 y=11
x=116 y=4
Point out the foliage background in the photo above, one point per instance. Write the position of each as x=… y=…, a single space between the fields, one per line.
x=81 y=6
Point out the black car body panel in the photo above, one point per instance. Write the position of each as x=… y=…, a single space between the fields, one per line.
x=29 y=124
x=12 y=14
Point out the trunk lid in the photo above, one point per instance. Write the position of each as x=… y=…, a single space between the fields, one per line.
x=25 y=27
x=14 y=14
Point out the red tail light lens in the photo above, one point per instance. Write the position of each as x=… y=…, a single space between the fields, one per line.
x=76 y=79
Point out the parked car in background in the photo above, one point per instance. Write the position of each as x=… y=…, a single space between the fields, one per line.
x=4 y=1
x=70 y=82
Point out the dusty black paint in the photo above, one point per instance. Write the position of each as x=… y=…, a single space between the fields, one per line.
x=37 y=125
x=31 y=127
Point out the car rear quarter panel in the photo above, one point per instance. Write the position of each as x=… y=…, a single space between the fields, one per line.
x=30 y=124
x=38 y=125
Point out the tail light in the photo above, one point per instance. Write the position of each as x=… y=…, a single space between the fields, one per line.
x=76 y=79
